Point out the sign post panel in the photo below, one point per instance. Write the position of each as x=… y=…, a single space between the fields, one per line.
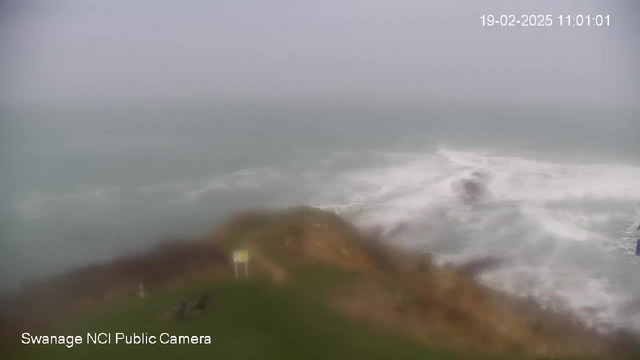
x=241 y=256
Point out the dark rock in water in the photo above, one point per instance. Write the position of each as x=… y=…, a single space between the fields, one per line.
x=481 y=265
x=397 y=230
x=638 y=248
x=472 y=189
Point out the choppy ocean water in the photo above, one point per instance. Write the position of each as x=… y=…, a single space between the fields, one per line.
x=558 y=198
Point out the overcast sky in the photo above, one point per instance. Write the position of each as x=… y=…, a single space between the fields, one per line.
x=71 y=51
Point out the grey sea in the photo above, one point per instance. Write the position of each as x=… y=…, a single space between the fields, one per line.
x=554 y=189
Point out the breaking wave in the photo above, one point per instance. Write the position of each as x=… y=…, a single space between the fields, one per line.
x=564 y=226
x=37 y=204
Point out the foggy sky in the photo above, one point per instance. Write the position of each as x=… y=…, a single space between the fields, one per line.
x=82 y=51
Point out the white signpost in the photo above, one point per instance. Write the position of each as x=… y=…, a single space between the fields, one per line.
x=241 y=256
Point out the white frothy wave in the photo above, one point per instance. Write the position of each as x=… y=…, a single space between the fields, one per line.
x=561 y=224
x=36 y=204
x=246 y=179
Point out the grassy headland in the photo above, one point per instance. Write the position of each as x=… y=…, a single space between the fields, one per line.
x=318 y=288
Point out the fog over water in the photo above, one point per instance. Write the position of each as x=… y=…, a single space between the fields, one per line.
x=517 y=143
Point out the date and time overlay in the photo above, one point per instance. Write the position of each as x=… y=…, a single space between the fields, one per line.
x=511 y=20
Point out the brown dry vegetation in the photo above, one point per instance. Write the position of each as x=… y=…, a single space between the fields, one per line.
x=418 y=298
x=407 y=293
x=393 y=289
x=167 y=265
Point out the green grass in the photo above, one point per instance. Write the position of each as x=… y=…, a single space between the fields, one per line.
x=246 y=320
